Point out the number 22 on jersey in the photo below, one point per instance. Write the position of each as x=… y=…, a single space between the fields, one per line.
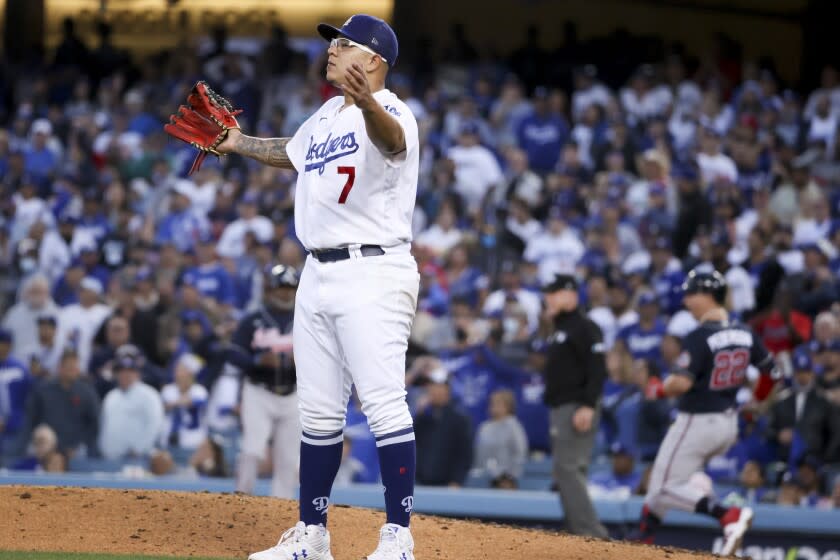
x=730 y=369
x=350 y=171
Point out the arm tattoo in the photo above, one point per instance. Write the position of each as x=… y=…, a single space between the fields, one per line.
x=270 y=151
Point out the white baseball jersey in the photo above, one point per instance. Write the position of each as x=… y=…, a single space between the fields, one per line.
x=190 y=423
x=343 y=197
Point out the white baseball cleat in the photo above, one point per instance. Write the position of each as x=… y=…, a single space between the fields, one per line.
x=301 y=542
x=395 y=543
x=735 y=529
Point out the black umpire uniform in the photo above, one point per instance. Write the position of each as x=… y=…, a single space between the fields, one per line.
x=575 y=372
x=262 y=350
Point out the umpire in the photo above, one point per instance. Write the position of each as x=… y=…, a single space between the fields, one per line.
x=575 y=371
x=262 y=350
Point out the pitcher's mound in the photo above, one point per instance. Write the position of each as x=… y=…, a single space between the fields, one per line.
x=231 y=526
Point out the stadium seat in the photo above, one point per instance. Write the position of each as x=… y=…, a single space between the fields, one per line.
x=536 y=483
x=180 y=455
x=477 y=480
x=538 y=467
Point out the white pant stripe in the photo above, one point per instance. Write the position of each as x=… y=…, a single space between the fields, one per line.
x=393 y=440
x=322 y=442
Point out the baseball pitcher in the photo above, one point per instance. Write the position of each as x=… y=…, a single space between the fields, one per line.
x=357 y=164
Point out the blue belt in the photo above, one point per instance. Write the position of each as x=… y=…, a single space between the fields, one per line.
x=343 y=253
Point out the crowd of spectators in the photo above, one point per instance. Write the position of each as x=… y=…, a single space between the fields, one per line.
x=122 y=278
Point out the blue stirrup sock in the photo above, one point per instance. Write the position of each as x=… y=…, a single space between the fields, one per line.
x=397 y=463
x=320 y=457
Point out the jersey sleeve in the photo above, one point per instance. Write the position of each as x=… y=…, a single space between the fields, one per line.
x=408 y=122
x=199 y=395
x=595 y=362
x=690 y=360
x=239 y=353
x=297 y=145
x=760 y=357
x=169 y=394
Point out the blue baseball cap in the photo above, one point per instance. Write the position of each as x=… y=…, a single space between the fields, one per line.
x=469 y=127
x=369 y=31
x=128 y=356
x=647 y=298
x=28 y=180
x=619 y=448
x=593 y=223
x=720 y=238
x=791 y=478
x=538 y=346
x=810 y=460
x=790 y=96
x=189 y=279
x=657 y=189
x=662 y=243
x=555 y=212
x=832 y=346
x=250 y=197
x=802 y=360
x=685 y=171
x=143 y=274
x=192 y=316
x=204 y=238
x=67 y=218
x=618 y=180
x=47 y=320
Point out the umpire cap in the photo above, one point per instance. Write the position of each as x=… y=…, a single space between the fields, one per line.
x=281 y=276
x=560 y=282
x=703 y=282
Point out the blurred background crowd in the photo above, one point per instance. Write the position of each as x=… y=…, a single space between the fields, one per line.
x=122 y=279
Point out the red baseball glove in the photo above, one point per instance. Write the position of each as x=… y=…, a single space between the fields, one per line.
x=203 y=123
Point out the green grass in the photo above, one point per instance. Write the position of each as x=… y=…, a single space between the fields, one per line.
x=85 y=556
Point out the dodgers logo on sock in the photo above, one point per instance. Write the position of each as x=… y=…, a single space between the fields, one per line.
x=408 y=502
x=321 y=504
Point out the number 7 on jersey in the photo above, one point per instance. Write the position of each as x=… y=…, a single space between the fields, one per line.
x=350 y=171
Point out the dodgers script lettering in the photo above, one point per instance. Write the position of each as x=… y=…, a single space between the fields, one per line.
x=334 y=147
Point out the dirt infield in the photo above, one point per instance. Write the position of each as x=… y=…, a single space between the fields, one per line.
x=231 y=526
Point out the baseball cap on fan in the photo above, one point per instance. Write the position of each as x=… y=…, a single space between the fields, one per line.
x=366 y=30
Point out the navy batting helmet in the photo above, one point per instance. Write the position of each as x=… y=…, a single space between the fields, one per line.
x=706 y=282
x=281 y=276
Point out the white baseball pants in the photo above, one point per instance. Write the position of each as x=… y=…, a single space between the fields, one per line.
x=267 y=416
x=691 y=441
x=352 y=322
